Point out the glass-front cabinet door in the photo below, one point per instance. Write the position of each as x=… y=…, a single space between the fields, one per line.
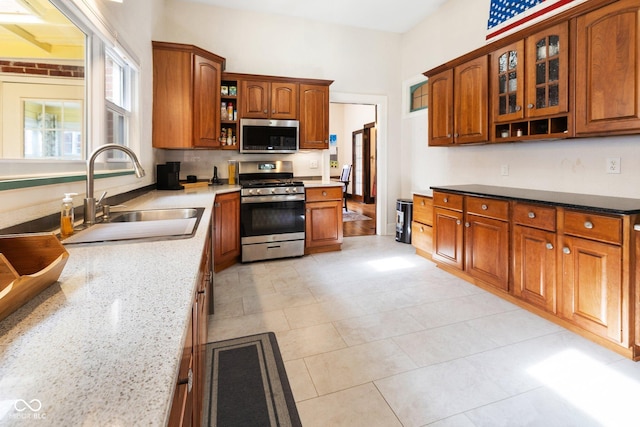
x=508 y=84
x=547 y=79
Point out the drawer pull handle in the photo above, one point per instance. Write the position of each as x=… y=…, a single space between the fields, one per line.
x=188 y=381
x=421 y=229
x=446 y=200
x=531 y=215
x=588 y=225
x=549 y=246
x=566 y=250
x=422 y=203
x=324 y=193
x=484 y=207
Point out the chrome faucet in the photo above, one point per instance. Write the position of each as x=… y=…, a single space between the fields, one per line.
x=90 y=203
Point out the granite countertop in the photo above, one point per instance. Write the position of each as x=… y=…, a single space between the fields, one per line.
x=603 y=204
x=102 y=345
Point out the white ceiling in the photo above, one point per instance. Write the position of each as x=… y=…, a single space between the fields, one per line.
x=397 y=16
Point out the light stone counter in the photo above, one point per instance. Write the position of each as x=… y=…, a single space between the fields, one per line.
x=102 y=346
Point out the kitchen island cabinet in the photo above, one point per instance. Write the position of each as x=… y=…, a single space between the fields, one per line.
x=572 y=258
x=422 y=225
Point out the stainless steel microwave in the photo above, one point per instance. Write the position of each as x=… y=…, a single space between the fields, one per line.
x=269 y=136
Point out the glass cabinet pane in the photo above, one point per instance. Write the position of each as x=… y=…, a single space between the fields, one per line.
x=554 y=45
x=502 y=105
x=541 y=73
x=513 y=82
x=554 y=70
x=513 y=59
x=502 y=63
x=512 y=103
x=554 y=95
x=541 y=98
x=541 y=49
x=502 y=83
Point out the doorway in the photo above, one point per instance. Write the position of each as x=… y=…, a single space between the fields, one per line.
x=364 y=164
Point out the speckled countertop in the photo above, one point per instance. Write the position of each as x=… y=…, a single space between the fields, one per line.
x=102 y=345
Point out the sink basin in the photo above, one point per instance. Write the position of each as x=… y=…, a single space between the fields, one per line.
x=142 y=225
x=154 y=215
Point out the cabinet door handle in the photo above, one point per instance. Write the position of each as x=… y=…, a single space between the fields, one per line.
x=530 y=106
x=188 y=381
x=531 y=215
x=466 y=224
x=566 y=250
x=549 y=246
x=265 y=111
x=484 y=207
x=216 y=205
x=421 y=229
x=458 y=222
x=456 y=134
x=448 y=135
x=588 y=225
x=518 y=108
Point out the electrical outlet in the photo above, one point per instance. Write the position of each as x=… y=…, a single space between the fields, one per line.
x=504 y=170
x=313 y=164
x=613 y=164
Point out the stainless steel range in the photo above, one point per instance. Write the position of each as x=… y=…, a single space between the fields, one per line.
x=272 y=213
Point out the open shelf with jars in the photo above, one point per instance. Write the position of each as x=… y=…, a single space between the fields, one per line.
x=229 y=114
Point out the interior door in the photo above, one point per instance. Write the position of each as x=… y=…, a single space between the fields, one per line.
x=369 y=175
x=357 y=188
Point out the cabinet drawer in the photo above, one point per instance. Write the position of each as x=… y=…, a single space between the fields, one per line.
x=593 y=226
x=492 y=208
x=422 y=236
x=542 y=217
x=448 y=201
x=423 y=209
x=323 y=194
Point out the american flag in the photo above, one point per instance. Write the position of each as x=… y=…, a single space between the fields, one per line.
x=508 y=16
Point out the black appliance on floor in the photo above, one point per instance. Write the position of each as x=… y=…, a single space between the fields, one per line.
x=404 y=216
x=272 y=211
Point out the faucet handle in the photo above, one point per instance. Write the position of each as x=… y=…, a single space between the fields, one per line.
x=99 y=201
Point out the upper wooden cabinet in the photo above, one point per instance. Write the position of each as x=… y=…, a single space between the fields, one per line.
x=458 y=104
x=186 y=96
x=269 y=100
x=507 y=77
x=608 y=69
x=314 y=116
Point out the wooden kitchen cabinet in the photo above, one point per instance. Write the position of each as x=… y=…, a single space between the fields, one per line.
x=592 y=285
x=323 y=220
x=269 y=100
x=422 y=225
x=486 y=240
x=186 y=96
x=534 y=255
x=530 y=82
x=226 y=230
x=314 y=116
x=458 y=104
x=608 y=70
x=448 y=230
x=187 y=406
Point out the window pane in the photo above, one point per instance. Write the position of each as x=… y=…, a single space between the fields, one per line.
x=113 y=86
x=52 y=129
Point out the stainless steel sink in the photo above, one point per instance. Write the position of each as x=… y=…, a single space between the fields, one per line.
x=154 y=215
x=142 y=225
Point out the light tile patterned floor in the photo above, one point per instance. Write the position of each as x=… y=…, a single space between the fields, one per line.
x=377 y=336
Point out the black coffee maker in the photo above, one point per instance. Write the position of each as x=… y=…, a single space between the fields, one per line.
x=168 y=176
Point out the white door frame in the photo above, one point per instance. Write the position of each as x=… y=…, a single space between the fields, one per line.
x=380 y=102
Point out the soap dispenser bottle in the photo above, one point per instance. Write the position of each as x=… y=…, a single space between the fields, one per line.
x=66 y=215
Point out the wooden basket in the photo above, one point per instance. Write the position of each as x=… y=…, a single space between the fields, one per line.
x=29 y=263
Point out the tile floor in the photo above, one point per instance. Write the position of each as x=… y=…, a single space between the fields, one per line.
x=375 y=335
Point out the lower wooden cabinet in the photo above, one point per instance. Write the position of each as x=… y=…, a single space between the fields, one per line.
x=592 y=287
x=226 y=230
x=422 y=225
x=577 y=267
x=187 y=406
x=323 y=220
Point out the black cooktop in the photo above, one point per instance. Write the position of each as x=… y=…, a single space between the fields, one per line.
x=269 y=182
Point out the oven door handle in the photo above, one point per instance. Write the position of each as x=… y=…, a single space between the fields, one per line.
x=273 y=199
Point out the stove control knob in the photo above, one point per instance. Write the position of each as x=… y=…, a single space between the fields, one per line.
x=258 y=191
x=273 y=191
x=294 y=190
x=250 y=191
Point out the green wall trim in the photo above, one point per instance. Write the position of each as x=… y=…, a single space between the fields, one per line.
x=37 y=182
